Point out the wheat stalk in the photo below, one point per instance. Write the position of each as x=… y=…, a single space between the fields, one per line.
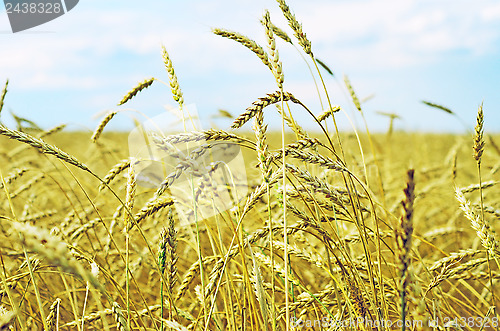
x=292 y=124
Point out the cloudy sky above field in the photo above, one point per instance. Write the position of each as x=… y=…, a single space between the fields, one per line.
x=400 y=52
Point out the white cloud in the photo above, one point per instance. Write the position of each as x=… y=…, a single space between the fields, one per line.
x=391 y=33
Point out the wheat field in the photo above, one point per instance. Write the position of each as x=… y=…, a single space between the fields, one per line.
x=323 y=229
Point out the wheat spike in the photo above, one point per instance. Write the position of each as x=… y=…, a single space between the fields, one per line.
x=260 y=104
x=115 y=171
x=403 y=242
x=13 y=176
x=262 y=148
x=275 y=58
x=100 y=127
x=478 y=136
x=130 y=197
x=247 y=42
x=453 y=258
x=152 y=207
x=2 y=96
x=172 y=77
x=354 y=97
x=280 y=33
x=121 y=322
x=482 y=227
x=296 y=27
x=171 y=250
x=53 y=317
x=43 y=147
x=327 y=113
x=133 y=92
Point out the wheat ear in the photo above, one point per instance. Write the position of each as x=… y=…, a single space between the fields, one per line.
x=133 y=92
x=245 y=41
x=280 y=33
x=121 y=322
x=151 y=207
x=275 y=58
x=2 y=96
x=354 y=97
x=481 y=226
x=100 y=127
x=403 y=243
x=43 y=147
x=172 y=77
x=296 y=27
x=172 y=252
x=327 y=113
x=115 y=171
x=53 y=316
x=260 y=104
x=262 y=148
x=478 y=136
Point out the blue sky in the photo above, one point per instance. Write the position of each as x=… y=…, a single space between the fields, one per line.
x=81 y=64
